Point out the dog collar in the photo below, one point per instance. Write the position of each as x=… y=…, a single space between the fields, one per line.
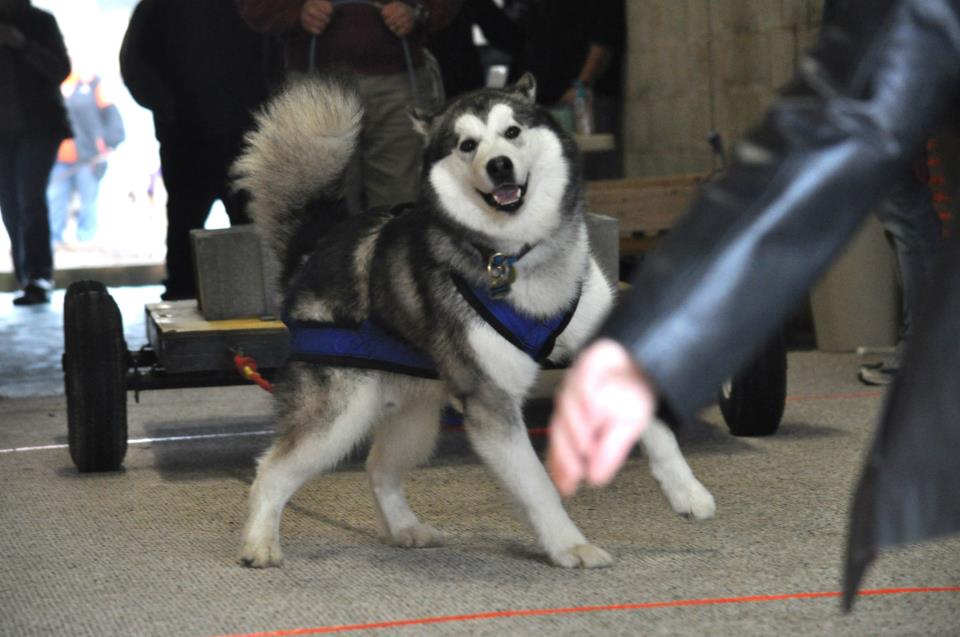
x=501 y=272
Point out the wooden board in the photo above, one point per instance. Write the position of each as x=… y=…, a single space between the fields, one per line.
x=596 y=143
x=186 y=342
x=185 y=316
x=642 y=205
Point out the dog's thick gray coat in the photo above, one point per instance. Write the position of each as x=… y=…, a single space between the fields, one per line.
x=499 y=176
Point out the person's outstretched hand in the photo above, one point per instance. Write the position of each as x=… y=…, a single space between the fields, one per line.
x=603 y=405
x=315 y=15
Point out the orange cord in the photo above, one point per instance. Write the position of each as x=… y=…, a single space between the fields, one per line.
x=248 y=369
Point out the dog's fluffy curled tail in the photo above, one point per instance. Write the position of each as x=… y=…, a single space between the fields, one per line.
x=293 y=163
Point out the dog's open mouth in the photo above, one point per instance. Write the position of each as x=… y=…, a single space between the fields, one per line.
x=505 y=197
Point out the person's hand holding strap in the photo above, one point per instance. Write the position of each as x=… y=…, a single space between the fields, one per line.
x=399 y=17
x=602 y=407
x=315 y=15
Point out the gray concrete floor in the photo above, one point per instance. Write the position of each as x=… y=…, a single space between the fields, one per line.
x=151 y=549
x=32 y=339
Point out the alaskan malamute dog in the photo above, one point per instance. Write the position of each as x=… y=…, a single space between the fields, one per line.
x=458 y=298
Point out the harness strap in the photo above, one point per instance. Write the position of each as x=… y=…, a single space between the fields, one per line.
x=369 y=345
x=536 y=337
x=365 y=345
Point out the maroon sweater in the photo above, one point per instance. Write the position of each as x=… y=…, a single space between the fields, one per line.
x=356 y=36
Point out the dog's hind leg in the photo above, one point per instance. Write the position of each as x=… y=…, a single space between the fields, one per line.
x=320 y=419
x=500 y=438
x=401 y=442
x=686 y=494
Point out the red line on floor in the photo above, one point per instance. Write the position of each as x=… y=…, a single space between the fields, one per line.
x=534 y=612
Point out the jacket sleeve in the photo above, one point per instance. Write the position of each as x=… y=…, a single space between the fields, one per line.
x=138 y=66
x=608 y=27
x=442 y=12
x=275 y=17
x=502 y=32
x=799 y=186
x=45 y=50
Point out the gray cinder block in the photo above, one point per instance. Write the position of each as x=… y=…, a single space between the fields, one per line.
x=236 y=277
x=604 y=234
x=236 y=274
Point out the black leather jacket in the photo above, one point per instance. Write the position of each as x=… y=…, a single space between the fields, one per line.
x=755 y=240
x=798 y=187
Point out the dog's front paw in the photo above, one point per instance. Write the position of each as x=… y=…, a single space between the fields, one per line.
x=582 y=556
x=261 y=554
x=692 y=500
x=417 y=537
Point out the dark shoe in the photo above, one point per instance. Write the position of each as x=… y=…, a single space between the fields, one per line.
x=32 y=295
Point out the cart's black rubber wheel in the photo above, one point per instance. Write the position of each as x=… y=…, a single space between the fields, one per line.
x=94 y=365
x=752 y=402
x=86 y=286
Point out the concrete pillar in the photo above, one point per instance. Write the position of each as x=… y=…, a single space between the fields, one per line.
x=695 y=66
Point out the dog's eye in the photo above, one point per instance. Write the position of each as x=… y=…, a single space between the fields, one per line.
x=512 y=133
x=468 y=146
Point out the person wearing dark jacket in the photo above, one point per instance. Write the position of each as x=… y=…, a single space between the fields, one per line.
x=914 y=230
x=752 y=244
x=575 y=50
x=33 y=121
x=203 y=72
x=461 y=64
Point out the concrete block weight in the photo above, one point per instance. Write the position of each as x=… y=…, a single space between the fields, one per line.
x=236 y=276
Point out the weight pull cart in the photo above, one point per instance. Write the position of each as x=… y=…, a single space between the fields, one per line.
x=183 y=350
x=186 y=350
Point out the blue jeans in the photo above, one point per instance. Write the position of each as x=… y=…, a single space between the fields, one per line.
x=65 y=179
x=25 y=162
x=911 y=222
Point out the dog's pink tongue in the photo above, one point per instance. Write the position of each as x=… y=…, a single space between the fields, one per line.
x=505 y=195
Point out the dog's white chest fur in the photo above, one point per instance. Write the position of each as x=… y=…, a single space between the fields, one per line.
x=511 y=369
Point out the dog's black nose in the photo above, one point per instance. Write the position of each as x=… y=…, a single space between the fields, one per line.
x=500 y=169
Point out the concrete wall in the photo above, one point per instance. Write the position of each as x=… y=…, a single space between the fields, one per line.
x=694 y=66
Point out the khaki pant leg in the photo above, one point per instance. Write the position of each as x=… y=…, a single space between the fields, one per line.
x=390 y=149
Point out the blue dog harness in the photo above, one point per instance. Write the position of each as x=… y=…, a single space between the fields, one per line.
x=369 y=345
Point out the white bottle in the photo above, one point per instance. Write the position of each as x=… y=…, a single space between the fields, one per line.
x=582 y=109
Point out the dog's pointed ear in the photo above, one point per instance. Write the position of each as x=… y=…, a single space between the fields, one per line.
x=421 y=119
x=527 y=86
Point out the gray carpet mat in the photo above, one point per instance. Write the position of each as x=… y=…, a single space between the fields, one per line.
x=151 y=550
